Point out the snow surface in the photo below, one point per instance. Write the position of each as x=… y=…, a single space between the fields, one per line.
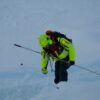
x=21 y=22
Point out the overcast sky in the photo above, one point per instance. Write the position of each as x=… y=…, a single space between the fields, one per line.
x=22 y=21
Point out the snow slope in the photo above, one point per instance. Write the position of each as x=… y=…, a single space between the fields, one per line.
x=22 y=21
x=35 y=86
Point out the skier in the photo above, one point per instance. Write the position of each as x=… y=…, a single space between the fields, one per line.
x=60 y=48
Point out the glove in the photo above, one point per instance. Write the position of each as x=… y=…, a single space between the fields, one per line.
x=44 y=70
x=71 y=63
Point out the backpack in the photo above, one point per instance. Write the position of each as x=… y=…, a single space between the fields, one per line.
x=56 y=46
x=55 y=35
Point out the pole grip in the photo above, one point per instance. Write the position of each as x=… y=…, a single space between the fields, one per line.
x=17 y=45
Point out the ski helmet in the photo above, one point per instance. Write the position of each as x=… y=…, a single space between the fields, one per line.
x=44 y=40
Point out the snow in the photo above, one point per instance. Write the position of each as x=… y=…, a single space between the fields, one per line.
x=32 y=86
x=21 y=22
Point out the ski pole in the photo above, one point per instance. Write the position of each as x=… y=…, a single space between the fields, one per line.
x=83 y=68
x=17 y=45
x=86 y=69
x=52 y=70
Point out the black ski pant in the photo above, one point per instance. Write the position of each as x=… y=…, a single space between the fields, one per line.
x=61 y=73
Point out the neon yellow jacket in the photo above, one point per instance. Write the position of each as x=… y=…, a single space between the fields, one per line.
x=68 y=50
